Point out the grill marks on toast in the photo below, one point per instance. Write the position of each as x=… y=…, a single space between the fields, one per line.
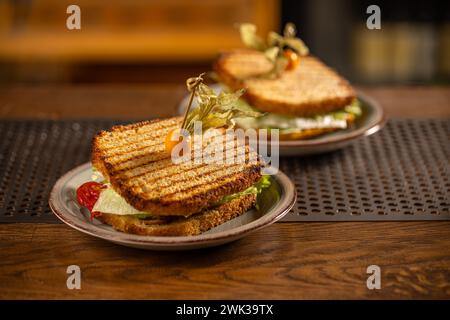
x=310 y=89
x=166 y=168
x=147 y=151
x=139 y=169
x=191 y=193
x=206 y=177
x=152 y=156
x=125 y=135
x=145 y=157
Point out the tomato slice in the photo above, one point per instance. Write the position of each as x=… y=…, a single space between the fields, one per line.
x=88 y=194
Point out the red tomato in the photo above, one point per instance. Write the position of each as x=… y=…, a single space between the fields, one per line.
x=88 y=193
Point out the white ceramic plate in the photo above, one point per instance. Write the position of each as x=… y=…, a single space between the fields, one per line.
x=371 y=121
x=64 y=205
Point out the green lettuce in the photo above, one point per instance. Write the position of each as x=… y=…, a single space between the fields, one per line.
x=289 y=123
x=354 y=109
x=257 y=188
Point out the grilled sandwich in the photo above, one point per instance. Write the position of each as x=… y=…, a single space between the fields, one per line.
x=144 y=192
x=302 y=103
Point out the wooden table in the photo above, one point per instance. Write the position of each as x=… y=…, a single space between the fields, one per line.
x=284 y=261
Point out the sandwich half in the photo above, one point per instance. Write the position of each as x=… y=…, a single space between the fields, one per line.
x=304 y=102
x=143 y=192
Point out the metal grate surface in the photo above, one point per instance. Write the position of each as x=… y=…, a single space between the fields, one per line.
x=33 y=155
x=401 y=173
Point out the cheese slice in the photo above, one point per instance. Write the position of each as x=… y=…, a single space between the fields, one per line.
x=335 y=120
x=283 y=122
x=111 y=202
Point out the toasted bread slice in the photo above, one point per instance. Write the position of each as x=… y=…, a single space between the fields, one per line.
x=181 y=226
x=134 y=160
x=310 y=89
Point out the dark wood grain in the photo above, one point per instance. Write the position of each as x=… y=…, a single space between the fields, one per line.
x=286 y=260
x=86 y=101
x=145 y=101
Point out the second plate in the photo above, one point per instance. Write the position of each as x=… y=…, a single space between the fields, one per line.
x=371 y=121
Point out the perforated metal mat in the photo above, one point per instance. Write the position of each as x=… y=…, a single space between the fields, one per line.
x=33 y=155
x=400 y=173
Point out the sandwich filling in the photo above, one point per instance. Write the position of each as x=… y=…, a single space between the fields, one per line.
x=339 y=119
x=109 y=201
x=287 y=124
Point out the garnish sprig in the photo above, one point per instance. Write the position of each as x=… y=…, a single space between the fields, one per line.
x=192 y=84
x=214 y=110
x=282 y=51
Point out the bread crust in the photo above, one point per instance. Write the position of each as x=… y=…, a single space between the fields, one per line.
x=193 y=225
x=312 y=88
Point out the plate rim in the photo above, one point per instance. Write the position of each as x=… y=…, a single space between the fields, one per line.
x=370 y=128
x=288 y=201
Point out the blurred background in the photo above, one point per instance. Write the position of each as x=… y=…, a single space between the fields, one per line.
x=138 y=41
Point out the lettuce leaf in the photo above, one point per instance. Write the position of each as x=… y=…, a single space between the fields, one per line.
x=257 y=188
x=335 y=119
